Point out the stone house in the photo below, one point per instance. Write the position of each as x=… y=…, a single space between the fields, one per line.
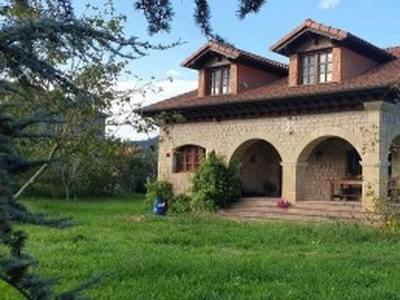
x=325 y=126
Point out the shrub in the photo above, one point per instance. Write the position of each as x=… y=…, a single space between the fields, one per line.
x=215 y=184
x=388 y=210
x=181 y=204
x=158 y=189
x=201 y=202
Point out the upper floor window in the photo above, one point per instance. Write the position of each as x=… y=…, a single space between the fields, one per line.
x=220 y=80
x=188 y=158
x=316 y=67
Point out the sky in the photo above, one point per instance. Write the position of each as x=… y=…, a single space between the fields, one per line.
x=376 y=21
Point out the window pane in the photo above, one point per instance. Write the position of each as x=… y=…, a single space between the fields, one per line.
x=215 y=79
x=325 y=67
x=308 y=69
x=188 y=158
x=219 y=80
x=225 y=81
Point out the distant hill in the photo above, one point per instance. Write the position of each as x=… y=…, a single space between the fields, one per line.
x=149 y=143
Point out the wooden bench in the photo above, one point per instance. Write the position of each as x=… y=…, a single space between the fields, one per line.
x=349 y=188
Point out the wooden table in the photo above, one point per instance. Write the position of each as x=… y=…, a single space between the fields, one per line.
x=349 y=188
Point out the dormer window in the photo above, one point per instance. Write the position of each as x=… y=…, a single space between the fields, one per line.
x=316 y=67
x=220 y=80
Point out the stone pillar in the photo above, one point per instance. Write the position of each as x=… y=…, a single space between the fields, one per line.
x=293 y=186
x=375 y=158
x=375 y=180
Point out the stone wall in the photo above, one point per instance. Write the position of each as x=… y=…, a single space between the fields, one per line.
x=326 y=165
x=294 y=138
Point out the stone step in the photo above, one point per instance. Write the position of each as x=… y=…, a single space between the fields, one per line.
x=265 y=208
x=306 y=205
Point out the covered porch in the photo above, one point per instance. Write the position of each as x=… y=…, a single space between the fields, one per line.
x=329 y=165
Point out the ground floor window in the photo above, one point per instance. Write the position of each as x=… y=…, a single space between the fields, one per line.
x=188 y=158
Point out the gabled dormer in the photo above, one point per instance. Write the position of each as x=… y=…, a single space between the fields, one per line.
x=322 y=54
x=224 y=69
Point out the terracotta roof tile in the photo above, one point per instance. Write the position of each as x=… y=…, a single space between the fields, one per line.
x=233 y=53
x=355 y=43
x=379 y=77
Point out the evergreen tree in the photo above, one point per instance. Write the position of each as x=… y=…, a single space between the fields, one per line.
x=159 y=14
x=39 y=40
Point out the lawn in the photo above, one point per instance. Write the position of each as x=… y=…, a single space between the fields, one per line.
x=205 y=257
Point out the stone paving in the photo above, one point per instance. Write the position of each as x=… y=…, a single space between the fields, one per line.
x=313 y=211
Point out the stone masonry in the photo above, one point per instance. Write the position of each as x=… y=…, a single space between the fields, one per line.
x=298 y=141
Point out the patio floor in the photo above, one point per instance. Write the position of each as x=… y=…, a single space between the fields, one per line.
x=318 y=210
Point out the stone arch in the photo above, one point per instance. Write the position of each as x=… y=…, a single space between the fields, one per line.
x=393 y=159
x=306 y=145
x=260 y=172
x=271 y=140
x=393 y=140
x=328 y=161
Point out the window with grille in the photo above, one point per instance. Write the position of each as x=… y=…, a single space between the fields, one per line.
x=220 y=80
x=316 y=67
x=189 y=158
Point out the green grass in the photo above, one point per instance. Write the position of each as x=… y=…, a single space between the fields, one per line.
x=205 y=257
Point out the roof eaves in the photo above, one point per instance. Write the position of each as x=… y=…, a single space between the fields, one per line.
x=308 y=25
x=378 y=88
x=373 y=51
x=228 y=51
x=355 y=43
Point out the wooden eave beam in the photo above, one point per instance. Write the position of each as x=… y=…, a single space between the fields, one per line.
x=279 y=107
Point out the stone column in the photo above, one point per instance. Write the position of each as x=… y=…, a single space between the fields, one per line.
x=375 y=180
x=375 y=158
x=293 y=186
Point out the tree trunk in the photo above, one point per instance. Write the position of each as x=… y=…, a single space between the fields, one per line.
x=37 y=173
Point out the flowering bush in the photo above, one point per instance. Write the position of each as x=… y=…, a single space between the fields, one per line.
x=282 y=203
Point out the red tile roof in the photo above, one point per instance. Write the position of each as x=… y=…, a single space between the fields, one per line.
x=381 y=76
x=342 y=37
x=235 y=54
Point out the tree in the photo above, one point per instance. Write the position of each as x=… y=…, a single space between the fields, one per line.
x=159 y=14
x=54 y=64
x=39 y=41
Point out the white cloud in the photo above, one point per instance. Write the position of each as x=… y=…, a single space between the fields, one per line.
x=328 y=4
x=144 y=95
x=173 y=73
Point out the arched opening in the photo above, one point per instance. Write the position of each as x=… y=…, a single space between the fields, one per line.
x=394 y=164
x=260 y=172
x=332 y=170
